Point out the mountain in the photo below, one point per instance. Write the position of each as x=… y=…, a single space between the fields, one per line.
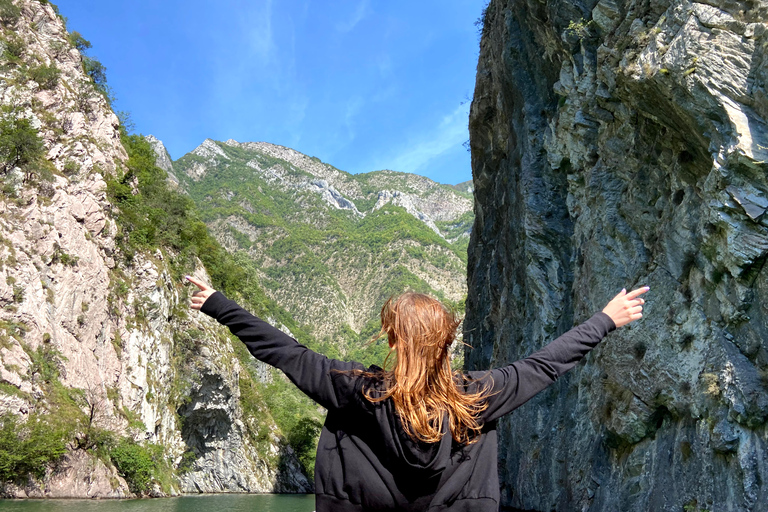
x=330 y=246
x=620 y=144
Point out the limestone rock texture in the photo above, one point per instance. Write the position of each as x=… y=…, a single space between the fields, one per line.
x=117 y=335
x=163 y=158
x=619 y=144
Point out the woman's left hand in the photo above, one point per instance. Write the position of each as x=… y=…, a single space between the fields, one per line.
x=200 y=296
x=626 y=307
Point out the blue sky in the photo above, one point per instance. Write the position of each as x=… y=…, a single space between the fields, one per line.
x=362 y=85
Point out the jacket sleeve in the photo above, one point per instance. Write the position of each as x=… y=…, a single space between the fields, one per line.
x=515 y=384
x=309 y=371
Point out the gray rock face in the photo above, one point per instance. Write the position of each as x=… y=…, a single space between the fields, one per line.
x=332 y=197
x=616 y=144
x=163 y=160
x=225 y=460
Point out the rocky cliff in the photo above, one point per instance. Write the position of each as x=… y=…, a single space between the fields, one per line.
x=616 y=144
x=102 y=367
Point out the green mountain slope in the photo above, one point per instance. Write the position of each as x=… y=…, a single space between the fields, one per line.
x=330 y=246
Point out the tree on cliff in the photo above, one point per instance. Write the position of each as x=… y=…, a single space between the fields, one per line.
x=20 y=145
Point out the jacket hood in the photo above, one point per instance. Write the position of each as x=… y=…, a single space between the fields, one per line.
x=416 y=465
x=415 y=456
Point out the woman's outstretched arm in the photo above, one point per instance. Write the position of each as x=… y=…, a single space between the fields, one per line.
x=308 y=370
x=515 y=384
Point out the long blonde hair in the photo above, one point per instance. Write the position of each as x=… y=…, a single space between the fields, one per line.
x=422 y=384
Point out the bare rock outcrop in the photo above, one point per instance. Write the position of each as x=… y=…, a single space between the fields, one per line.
x=163 y=160
x=622 y=144
x=78 y=475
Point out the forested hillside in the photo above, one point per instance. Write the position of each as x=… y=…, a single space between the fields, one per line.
x=330 y=246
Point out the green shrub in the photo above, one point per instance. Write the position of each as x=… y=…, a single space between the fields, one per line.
x=40 y=172
x=98 y=440
x=98 y=75
x=46 y=362
x=60 y=256
x=580 y=29
x=20 y=145
x=95 y=70
x=71 y=168
x=156 y=215
x=187 y=463
x=303 y=438
x=14 y=48
x=136 y=463
x=9 y=13
x=18 y=294
x=47 y=77
x=78 y=41
x=29 y=447
x=92 y=67
x=126 y=122
x=15 y=329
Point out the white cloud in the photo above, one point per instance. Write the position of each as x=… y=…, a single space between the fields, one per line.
x=262 y=44
x=354 y=106
x=295 y=115
x=360 y=12
x=451 y=132
x=384 y=65
x=248 y=51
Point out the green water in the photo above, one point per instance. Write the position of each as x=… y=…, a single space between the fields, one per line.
x=205 y=503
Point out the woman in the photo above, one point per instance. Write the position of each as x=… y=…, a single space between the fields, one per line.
x=419 y=437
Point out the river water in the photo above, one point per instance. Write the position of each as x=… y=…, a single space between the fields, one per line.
x=204 y=503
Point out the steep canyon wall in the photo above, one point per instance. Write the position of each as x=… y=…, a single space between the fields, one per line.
x=617 y=144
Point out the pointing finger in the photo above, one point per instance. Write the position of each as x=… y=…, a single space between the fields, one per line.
x=197 y=283
x=639 y=291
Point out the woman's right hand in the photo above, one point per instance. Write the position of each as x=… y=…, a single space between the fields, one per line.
x=199 y=296
x=626 y=307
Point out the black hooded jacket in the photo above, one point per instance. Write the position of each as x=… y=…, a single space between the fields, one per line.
x=365 y=460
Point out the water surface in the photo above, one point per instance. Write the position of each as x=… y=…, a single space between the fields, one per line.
x=203 y=503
